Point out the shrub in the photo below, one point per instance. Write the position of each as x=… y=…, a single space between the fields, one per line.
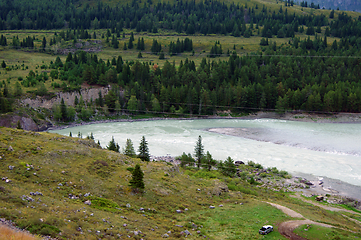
x=259 y=166
x=284 y=174
x=104 y=204
x=206 y=174
x=251 y=163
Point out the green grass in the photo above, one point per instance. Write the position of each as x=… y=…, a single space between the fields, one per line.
x=318 y=232
x=23 y=61
x=235 y=221
x=50 y=164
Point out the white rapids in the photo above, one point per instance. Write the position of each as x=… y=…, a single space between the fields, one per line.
x=332 y=150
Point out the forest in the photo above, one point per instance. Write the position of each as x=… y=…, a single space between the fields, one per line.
x=310 y=74
x=301 y=77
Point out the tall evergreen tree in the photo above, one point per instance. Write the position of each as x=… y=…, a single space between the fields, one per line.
x=44 y=43
x=209 y=161
x=129 y=149
x=137 y=182
x=199 y=151
x=63 y=110
x=143 y=150
x=229 y=169
x=113 y=146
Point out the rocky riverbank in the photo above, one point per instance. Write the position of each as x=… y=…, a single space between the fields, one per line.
x=291 y=116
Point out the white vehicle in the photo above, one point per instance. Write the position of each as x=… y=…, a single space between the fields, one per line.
x=266 y=229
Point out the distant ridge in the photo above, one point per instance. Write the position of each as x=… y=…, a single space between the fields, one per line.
x=348 y=5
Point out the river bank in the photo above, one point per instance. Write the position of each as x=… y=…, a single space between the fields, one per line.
x=166 y=138
x=290 y=116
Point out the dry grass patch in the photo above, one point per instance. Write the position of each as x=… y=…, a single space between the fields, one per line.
x=7 y=233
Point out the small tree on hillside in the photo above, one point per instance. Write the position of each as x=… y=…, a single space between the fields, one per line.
x=63 y=110
x=209 y=161
x=129 y=149
x=143 y=150
x=199 y=151
x=137 y=182
x=186 y=160
x=113 y=146
x=228 y=167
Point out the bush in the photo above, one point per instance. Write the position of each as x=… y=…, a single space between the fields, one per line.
x=35 y=226
x=206 y=174
x=242 y=189
x=104 y=204
x=274 y=170
x=259 y=166
x=284 y=174
x=251 y=163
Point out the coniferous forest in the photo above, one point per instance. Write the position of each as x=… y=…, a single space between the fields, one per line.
x=311 y=74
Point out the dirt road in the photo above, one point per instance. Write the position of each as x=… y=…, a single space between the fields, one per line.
x=286 y=228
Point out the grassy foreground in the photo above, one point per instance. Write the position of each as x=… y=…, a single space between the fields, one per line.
x=47 y=179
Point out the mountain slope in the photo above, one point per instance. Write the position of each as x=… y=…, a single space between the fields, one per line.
x=51 y=187
x=347 y=5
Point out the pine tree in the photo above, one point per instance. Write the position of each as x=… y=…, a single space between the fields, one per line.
x=113 y=146
x=44 y=43
x=19 y=125
x=199 y=151
x=63 y=110
x=130 y=43
x=229 y=169
x=129 y=149
x=137 y=182
x=209 y=161
x=186 y=160
x=143 y=150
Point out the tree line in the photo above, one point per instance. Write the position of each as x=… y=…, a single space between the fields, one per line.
x=205 y=17
x=298 y=77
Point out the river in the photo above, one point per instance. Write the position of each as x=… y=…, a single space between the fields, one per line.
x=331 y=150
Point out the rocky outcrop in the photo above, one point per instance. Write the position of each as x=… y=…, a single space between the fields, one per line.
x=11 y=120
x=88 y=94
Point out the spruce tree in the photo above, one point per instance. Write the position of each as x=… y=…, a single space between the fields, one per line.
x=199 y=151
x=63 y=110
x=143 y=150
x=113 y=146
x=209 y=161
x=229 y=169
x=186 y=160
x=137 y=182
x=129 y=149
x=44 y=43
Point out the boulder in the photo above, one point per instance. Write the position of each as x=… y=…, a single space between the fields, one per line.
x=88 y=202
x=319 y=198
x=238 y=163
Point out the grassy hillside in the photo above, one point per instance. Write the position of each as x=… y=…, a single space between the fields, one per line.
x=46 y=182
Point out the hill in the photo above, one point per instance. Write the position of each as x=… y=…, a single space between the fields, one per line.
x=51 y=188
x=348 y=5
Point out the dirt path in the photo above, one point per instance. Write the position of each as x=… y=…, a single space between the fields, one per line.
x=334 y=209
x=286 y=228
